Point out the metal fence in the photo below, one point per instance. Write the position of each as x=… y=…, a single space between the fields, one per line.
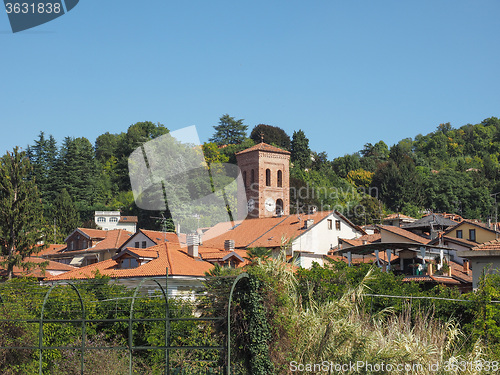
x=83 y=321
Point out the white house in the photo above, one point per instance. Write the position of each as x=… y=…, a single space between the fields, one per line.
x=109 y=220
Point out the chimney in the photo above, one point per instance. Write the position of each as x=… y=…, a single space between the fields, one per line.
x=430 y=271
x=229 y=245
x=466 y=267
x=192 y=243
x=312 y=210
x=308 y=223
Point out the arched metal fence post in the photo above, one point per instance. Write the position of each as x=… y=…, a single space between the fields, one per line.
x=240 y=276
x=40 y=332
x=131 y=319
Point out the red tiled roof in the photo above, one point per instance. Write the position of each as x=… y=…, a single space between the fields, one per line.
x=404 y=233
x=158 y=237
x=93 y=233
x=51 y=249
x=128 y=219
x=261 y=232
x=114 y=240
x=263 y=147
x=170 y=256
x=397 y=216
x=490 y=245
x=369 y=238
x=37 y=271
x=461 y=240
x=433 y=279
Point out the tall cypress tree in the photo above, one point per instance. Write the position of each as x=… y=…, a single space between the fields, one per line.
x=300 y=153
x=65 y=214
x=20 y=210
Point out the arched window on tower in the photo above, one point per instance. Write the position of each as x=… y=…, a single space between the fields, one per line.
x=245 y=178
x=268 y=177
x=279 y=207
x=252 y=176
x=280 y=179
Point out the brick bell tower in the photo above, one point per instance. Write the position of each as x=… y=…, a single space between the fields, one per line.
x=266 y=177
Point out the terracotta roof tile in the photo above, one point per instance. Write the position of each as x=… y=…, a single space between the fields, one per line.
x=93 y=233
x=38 y=272
x=170 y=256
x=261 y=232
x=263 y=147
x=369 y=238
x=51 y=249
x=114 y=240
x=128 y=219
x=490 y=245
x=397 y=216
x=158 y=236
x=404 y=233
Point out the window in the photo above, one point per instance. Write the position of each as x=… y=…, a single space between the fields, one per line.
x=101 y=219
x=113 y=219
x=472 y=234
x=129 y=263
x=280 y=179
x=72 y=245
x=252 y=176
x=330 y=224
x=136 y=245
x=268 y=177
x=143 y=244
x=84 y=244
x=337 y=224
x=279 y=207
x=459 y=233
x=245 y=178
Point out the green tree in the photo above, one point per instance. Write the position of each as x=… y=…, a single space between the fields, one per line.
x=77 y=170
x=65 y=213
x=43 y=158
x=20 y=209
x=300 y=151
x=272 y=135
x=229 y=131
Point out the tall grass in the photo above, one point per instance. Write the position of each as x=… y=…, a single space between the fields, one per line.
x=341 y=332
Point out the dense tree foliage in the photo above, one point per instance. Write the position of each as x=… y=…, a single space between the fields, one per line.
x=272 y=135
x=229 y=131
x=452 y=170
x=20 y=210
x=300 y=151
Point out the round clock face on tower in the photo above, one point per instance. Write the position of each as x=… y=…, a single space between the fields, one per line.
x=270 y=204
x=250 y=205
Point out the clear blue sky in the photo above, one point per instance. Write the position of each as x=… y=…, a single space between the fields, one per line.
x=346 y=72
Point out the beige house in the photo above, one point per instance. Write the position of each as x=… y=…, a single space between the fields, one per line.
x=483 y=258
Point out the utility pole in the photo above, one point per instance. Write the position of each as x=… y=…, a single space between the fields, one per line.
x=496 y=213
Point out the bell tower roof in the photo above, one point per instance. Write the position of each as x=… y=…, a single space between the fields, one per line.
x=264 y=147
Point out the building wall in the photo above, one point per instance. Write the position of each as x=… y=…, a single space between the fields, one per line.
x=492 y=264
x=109 y=220
x=482 y=235
x=320 y=238
x=139 y=238
x=391 y=237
